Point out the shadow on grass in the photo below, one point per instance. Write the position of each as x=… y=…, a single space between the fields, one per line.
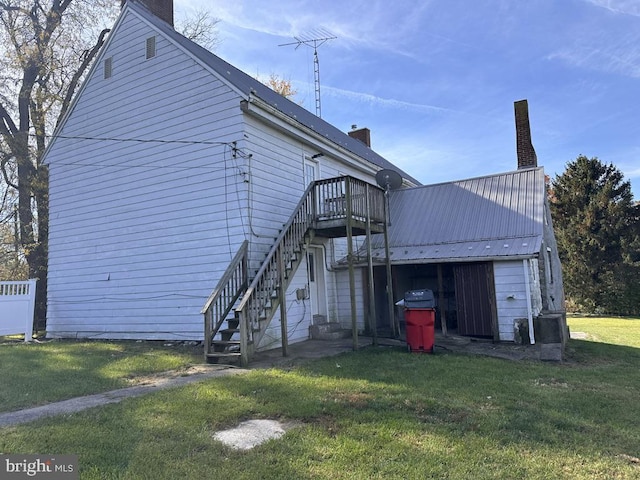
x=355 y=427
x=375 y=413
x=39 y=373
x=588 y=401
x=591 y=353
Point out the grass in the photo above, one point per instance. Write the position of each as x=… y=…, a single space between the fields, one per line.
x=618 y=331
x=37 y=373
x=376 y=413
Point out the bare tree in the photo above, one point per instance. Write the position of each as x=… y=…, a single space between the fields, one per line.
x=46 y=48
x=201 y=28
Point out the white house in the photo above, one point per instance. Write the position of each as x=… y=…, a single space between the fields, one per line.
x=168 y=159
x=170 y=164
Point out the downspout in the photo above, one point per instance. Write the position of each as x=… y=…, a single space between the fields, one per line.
x=527 y=283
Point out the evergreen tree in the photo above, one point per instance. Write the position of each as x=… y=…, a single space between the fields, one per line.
x=596 y=226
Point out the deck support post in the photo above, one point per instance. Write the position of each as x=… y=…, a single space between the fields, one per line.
x=352 y=279
x=443 y=313
x=282 y=294
x=244 y=340
x=395 y=326
x=373 y=323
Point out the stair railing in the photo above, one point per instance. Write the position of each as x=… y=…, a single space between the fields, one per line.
x=323 y=200
x=231 y=286
x=262 y=293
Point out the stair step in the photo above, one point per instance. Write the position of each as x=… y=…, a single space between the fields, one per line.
x=225 y=342
x=229 y=331
x=328 y=331
x=214 y=357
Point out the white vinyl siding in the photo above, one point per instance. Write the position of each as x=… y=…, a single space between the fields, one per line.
x=148 y=203
x=140 y=232
x=343 y=297
x=298 y=315
x=511 y=296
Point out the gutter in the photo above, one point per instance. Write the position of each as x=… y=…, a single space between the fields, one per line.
x=379 y=260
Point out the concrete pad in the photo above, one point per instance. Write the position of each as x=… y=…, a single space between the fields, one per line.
x=252 y=433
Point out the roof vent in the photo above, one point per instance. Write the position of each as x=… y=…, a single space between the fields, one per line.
x=151 y=47
x=108 y=67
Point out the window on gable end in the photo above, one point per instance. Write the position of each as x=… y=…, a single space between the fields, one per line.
x=151 y=47
x=108 y=66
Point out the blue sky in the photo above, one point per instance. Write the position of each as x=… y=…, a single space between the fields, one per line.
x=435 y=80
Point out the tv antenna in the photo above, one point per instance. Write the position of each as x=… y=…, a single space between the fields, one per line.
x=314 y=39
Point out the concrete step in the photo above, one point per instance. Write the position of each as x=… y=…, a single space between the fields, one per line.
x=328 y=331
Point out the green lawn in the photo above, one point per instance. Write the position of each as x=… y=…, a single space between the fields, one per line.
x=618 y=331
x=36 y=373
x=377 y=413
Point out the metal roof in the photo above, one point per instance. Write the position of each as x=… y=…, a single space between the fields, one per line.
x=480 y=218
x=250 y=86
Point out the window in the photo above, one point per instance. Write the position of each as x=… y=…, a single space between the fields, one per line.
x=108 y=64
x=310 y=171
x=311 y=264
x=151 y=47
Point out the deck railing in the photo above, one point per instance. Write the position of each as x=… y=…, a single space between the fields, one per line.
x=328 y=199
x=333 y=193
x=260 y=299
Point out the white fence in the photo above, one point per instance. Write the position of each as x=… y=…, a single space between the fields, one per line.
x=17 y=303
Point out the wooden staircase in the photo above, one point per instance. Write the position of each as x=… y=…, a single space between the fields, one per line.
x=237 y=313
x=218 y=310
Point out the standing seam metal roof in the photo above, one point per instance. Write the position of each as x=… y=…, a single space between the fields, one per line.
x=486 y=217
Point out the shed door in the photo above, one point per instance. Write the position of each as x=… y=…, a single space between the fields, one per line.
x=475 y=299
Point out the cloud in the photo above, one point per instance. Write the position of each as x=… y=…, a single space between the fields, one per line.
x=621 y=58
x=384 y=102
x=625 y=7
x=357 y=24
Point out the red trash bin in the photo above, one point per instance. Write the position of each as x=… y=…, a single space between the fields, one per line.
x=420 y=319
x=420 y=324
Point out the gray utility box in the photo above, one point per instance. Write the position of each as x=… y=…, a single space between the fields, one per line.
x=419 y=299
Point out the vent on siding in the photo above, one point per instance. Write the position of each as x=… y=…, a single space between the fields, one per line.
x=108 y=64
x=151 y=47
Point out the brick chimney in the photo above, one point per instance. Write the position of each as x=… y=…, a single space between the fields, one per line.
x=526 y=154
x=162 y=9
x=362 y=134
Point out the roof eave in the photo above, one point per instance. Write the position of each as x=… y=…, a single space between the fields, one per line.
x=266 y=112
